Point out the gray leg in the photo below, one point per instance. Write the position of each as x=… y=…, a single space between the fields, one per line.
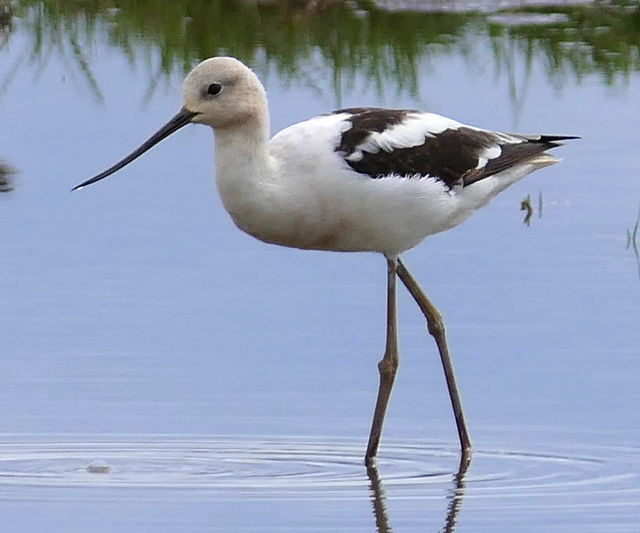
x=387 y=366
x=435 y=325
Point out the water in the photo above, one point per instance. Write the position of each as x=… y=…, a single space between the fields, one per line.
x=161 y=371
x=586 y=484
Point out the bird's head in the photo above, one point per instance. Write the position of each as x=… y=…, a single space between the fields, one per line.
x=220 y=92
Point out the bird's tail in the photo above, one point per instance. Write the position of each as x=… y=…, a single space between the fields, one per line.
x=551 y=141
x=557 y=139
x=546 y=142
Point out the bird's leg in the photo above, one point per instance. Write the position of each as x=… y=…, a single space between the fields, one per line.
x=387 y=366
x=435 y=325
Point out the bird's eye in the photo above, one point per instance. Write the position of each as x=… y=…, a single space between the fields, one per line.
x=214 y=89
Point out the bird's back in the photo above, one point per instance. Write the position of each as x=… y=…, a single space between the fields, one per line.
x=395 y=176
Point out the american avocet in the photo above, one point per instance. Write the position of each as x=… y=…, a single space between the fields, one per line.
x=355 y=180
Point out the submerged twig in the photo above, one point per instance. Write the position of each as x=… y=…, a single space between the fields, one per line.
x=539 y=204
x=632 y=234
x=525 y=205
x=632 y=240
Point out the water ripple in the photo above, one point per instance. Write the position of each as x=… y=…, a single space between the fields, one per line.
x=316 y=468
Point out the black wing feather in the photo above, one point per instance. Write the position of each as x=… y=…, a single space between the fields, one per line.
x=451 y=156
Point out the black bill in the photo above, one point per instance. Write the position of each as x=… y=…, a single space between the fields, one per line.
x=180 y=119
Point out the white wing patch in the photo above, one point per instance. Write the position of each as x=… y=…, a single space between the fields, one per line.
x=409 y=133
x=489 y=153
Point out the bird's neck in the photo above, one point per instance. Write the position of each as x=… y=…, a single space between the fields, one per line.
x=243 y=165
x=241 y=149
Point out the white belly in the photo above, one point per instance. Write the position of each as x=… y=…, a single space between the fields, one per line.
x=347 y=213
x=302 y=194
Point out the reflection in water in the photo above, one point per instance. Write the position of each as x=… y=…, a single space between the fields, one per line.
x=66 y=30
x=455 y=498
x=337 y=41
x=511 y=61
x=7 y=75
x=632 y=240
x=76 y=471
x=378 y=499
x=6 y=14
x=6 y=25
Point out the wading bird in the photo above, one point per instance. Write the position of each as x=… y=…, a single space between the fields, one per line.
x=354 y=180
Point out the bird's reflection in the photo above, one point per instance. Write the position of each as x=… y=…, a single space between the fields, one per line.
x=378 y=499
x=456 y=495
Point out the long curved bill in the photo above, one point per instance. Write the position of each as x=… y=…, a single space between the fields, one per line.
x=180 y=119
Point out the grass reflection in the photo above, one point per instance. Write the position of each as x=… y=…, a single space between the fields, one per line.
x=603 y=39
x=6 y=14
x=312 y=40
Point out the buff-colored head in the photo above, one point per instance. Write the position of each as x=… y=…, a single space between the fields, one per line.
x=220 y=92
x=223 y=92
